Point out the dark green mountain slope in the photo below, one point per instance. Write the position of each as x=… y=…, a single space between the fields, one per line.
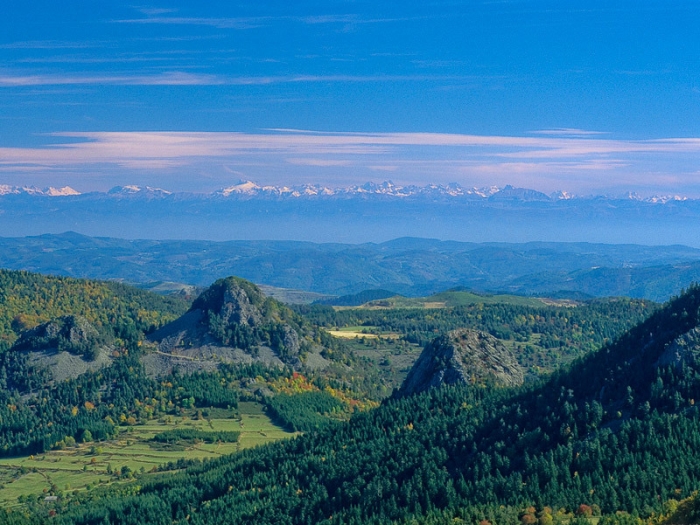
x=619 y=429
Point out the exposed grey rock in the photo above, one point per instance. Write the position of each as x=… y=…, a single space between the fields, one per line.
x=63 y=365
x=291 y=341
x=682 y=350
x=237 y=307
x=184 y=331
x=69 y=333
x=201 y=339
x=205 y=358
x=66 y=347
x=463 y=356
x=73 y=329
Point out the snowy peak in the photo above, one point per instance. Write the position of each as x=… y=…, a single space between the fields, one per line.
x=388 y=188
x=561 y=196
x=130 y=190
x=510 y=193
x=663 y=199
x=8 y=190
x=242 y=188
x=65 y=191
x=124 y=190
x=246 y=189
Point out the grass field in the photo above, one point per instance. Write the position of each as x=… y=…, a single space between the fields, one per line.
x=89 y=464
x=350 y=333
x=359 y=332
x=455 y=298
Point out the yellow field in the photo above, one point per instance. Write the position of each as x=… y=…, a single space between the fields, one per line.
x=348 y=334
x=358 y=332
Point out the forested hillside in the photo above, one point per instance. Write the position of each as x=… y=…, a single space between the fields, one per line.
x=617 y=431
x=42 y=408
x=28 y=299
x=74 y=316
x=543 y=337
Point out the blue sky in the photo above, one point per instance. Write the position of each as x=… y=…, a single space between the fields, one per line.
x=588 y=97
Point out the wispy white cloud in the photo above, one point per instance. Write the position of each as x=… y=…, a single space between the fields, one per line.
x=186 y=144
x=547 y=160
x=53 y=44
x=219 y=23
x=353 y=19
x=81 y=59
x=641 y=72
x=154 y=11
x=261 y=21
x=325 y=163
x=172 y=78
x=571 y=132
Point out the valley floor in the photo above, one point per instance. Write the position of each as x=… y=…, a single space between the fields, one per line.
x=89 y=465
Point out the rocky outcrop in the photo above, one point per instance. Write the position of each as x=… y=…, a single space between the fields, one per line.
x=69 y=333
x=234 y=300
x=233 y=321
x=463 y=356
x=682 y=350
x=62 y=348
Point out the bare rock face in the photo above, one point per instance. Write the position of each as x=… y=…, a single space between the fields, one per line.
x=237 y=307
x=235 y=301
x=72 y=328
x=463 y=356
x=233 y=320
x=70 y=333
x=682 y=350
x=290 y=341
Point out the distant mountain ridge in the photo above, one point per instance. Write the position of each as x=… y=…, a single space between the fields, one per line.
x=250 y=189
x=370 y=212
x=406 y=266
x=65 y=191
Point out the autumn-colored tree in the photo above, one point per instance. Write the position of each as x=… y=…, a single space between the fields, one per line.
x=584 y=510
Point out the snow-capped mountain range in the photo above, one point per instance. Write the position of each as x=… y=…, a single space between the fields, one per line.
x=249 y=189
x=66 y=191
x=370 y=212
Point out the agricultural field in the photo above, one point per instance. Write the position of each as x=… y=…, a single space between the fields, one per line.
x=358 y=332
x=453 y=298
x=88 y=465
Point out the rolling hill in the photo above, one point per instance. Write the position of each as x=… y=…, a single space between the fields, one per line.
x=407 y=266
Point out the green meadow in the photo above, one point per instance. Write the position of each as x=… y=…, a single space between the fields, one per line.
x=89 y=465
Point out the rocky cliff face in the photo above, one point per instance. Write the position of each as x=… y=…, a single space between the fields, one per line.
x=62 y=348
x=231 y=321
x=463 y=356
x=684 y=350
x=234 y=300
x=69 y=333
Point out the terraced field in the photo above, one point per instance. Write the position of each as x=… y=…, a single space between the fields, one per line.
x=88 y=465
